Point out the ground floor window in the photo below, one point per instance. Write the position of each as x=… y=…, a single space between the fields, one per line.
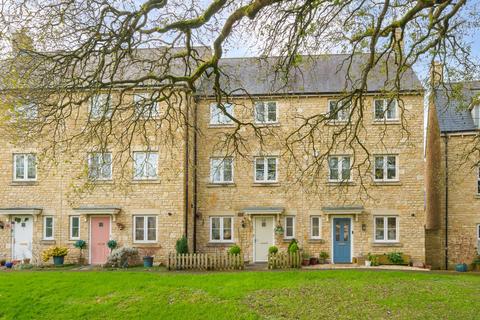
x=74 y=227
x=145 y=228
x=289 y=227
x=221 y=229
x=315 y=227
x=386 y=228
x=48 y=228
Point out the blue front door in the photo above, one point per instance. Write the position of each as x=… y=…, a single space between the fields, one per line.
x=341 y=240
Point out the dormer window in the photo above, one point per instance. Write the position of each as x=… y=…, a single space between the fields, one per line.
x=476 y=116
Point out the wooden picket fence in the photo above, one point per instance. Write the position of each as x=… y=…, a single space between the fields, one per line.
x=205 y=261
x=283 y=260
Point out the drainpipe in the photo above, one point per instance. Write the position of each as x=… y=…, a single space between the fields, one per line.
x=446 y=202
x=195 y=184
x=186 y=171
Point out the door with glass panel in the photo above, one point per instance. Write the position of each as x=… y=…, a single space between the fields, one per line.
x=342 y=242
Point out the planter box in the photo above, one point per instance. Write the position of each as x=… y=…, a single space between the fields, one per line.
x=58 y=261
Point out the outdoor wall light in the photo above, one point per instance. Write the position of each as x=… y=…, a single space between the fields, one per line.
x=364 y=227
x=2 y=225
x=170 y=214
x=243 y=223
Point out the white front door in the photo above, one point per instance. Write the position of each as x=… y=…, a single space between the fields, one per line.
x=263 y=237
x=22 y=227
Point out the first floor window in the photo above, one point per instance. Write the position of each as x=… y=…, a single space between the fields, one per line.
x=315 y=224
x=266 y=112
x=100 y=166
x=48 y=228
x=478 y=180
x=385 y=109
x=478 y=233
x=24 y=167
x=218 y=116
x=74 y=227
x=145 y=105
x=339 y=110
x=386 y=229
x=100 y=106
x=339 y=168
x=221 y=229
x=266 y=169
x=145 y=165
x=221 y=170
x=289 y=227
x=145 y=228
x=386 y=168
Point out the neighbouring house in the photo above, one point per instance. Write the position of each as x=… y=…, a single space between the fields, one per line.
x=199 y=187
x=453 y=176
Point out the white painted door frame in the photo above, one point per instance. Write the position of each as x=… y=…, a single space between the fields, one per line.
x=255 y=232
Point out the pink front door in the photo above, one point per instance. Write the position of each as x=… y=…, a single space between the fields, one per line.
x=100 y=234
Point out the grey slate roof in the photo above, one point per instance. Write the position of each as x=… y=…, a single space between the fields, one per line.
x=314 y=74
x=452 y=102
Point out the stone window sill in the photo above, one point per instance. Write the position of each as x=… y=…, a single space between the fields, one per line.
x=48 y=242
x=221 y=185
x=316 y=240
x=220 y=244
x=220 y=126
x=341 y=183
x=263 y=125
x=146 y=181
x=387 y=244
x=266 y=184
x=23 y=183
x=386 y=183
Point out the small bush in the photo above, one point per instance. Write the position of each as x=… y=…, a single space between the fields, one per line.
x=234 y=250
x=293 y=246
x=123 y=257
x=273 y=250
x=395 y=257
x=80 y=244
x=112 y=244
x=182 y=245
x=324 y=255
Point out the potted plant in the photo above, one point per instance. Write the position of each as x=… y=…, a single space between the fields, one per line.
x=279 y=230
x=313 y=260
x=3 y=262
x=112 y=244
x=58 y=254
x=323 y=257
x=148 y=254
x=80 y=244
x=461 y=267
x=305 y=259
x=182 y=245
x=9 y=265
x=372 y=260
x=476 y=263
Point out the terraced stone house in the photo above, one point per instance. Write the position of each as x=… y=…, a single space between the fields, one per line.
x=219 y=198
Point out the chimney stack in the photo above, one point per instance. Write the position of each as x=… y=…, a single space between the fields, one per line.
x=436 y=73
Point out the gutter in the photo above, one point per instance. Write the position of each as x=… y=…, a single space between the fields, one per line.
x=446 y=202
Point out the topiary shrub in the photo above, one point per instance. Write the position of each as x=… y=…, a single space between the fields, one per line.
x=234 y=250
x=112 y=244
x=182 y=245
x=123 y=257
x=293 y=246
x=272 y=250
x=395 y=257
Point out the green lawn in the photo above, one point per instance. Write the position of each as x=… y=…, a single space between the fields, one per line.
x=337 y=294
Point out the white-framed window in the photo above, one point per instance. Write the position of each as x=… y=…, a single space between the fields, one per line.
x=266 y=112
x=385 y=109
x=476 y=115
x=100 y=106
x=386 y=228
x=145 y=105
x=478 y=232
x=289 y=227
x=100 y=166
x=221 y=170
x=74 y=227
x=144 y=229
x=386 y=168
x=217 y=116
x=26 y=111
x=339 y=168
x=221 y=229
x=266 y=169
x=48 y=228
x=316 y=227
x=24 y=167
x=338 y=110
x=145 y=165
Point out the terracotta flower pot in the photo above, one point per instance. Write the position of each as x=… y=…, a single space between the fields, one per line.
x=305 y=262
x=313 y=261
